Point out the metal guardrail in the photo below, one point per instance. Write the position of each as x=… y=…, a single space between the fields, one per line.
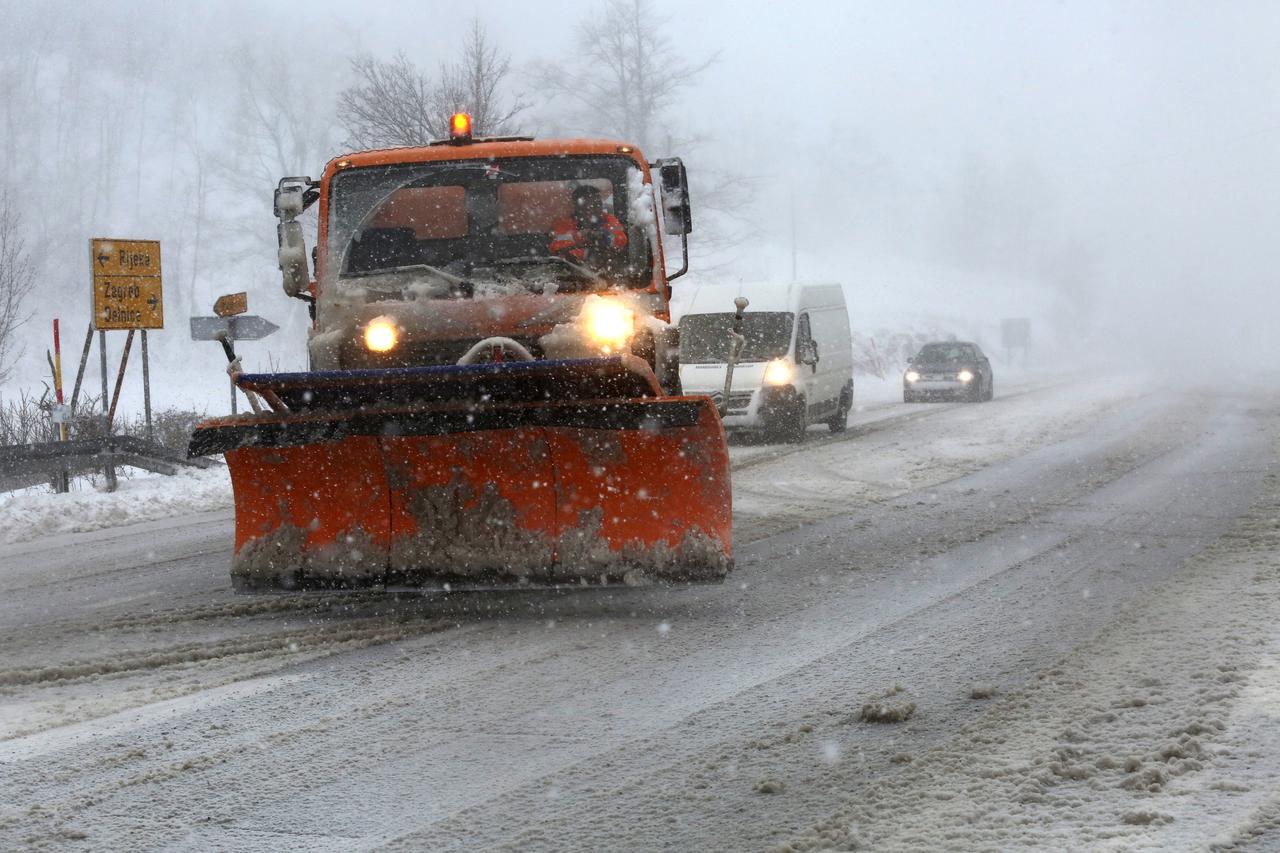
x=23 y=465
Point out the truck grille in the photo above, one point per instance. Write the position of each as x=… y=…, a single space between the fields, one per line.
x=420 y=354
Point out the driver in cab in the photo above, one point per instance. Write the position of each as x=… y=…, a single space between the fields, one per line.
x=591 y=236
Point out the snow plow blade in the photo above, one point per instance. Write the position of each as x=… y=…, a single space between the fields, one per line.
x=484 y=476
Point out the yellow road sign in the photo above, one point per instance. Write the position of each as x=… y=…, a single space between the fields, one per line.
x=231 y=304
x=128 y=302
x=127 y=287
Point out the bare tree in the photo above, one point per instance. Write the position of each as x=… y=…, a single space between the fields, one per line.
x=624 y=73
x=474 y=85
x=622 y=80
x=17 y=279
x=273 y=131
x=392 y=104
x=395 y=103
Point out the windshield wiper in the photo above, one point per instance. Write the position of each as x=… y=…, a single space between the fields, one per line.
x=587 y=273
x=465 y=286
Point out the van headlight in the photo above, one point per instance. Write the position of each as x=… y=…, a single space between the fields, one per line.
x=965 y=376
x=381 y=335
x=912 y=376
x=608 y=322
x=777 y=372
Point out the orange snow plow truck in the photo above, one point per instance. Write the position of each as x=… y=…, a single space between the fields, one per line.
x=493 y=395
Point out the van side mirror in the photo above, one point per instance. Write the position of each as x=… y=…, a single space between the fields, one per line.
x=808 y=352
x=677 y=213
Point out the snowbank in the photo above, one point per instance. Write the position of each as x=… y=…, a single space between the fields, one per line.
x=25 y=516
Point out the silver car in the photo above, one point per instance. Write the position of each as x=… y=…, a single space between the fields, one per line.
x=948 y=370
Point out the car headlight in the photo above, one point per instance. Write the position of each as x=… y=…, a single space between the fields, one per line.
x=609 y=322
x=777 y=372
x=913 y=376
x=381 y=335
x=965 y=376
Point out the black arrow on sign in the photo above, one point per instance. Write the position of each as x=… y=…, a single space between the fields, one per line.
x=103 y=258
x=153 y=301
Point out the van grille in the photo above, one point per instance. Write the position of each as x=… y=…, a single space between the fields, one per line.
x=739 y=401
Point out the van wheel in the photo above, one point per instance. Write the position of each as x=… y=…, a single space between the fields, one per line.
x=840 y=420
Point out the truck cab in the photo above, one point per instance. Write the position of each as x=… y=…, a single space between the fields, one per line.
x=424 y=252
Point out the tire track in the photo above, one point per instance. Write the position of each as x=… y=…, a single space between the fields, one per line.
x=880 y=425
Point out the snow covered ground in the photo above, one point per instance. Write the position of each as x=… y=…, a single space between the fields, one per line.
x=37 y=513
x=1061 y=604
x=1161 y=733
x=896 y=450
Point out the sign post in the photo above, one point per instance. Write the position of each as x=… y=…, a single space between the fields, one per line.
x=108 y=470
x=1015 y=333
x=62 y=483
x=146 y=385
x=84 y=362
x=231 y=325
x=128 y=294
x=230 y=305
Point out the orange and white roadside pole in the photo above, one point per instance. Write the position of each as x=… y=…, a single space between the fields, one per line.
x=57 y=376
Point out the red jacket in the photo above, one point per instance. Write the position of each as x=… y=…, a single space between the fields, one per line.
x=567 y=238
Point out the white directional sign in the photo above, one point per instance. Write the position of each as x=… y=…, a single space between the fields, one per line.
x=246 y=327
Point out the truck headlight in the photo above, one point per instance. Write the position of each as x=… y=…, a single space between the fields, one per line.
x=609 y=322
x=381 y=335
x=965 y=376
x=777 y=372
x=912 y=376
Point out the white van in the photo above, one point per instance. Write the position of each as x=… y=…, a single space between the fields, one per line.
x=796 y=367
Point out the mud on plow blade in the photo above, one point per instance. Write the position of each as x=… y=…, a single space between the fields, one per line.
x=478 y=476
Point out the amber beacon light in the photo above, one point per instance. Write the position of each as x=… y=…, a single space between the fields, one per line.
x=460 y=127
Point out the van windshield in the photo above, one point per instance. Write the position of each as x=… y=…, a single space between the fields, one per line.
x=704 y=338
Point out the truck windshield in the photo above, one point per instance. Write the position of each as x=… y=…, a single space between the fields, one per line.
x=704 y=338
x=565 y=223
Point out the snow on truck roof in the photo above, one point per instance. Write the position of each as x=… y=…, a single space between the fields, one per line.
x=763 y=296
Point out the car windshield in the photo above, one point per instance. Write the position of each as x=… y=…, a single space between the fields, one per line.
x=943 y=353
x=704 y=338
x=559 y=222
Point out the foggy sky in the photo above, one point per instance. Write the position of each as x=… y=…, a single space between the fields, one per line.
x=1118 y=161
x=1151 y=131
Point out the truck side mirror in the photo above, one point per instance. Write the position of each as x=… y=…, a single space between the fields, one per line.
x=288 y=201
x=293 y=258
x=677 y=213
x=292 y=197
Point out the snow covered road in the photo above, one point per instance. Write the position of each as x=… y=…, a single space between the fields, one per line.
x=1044 y=578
